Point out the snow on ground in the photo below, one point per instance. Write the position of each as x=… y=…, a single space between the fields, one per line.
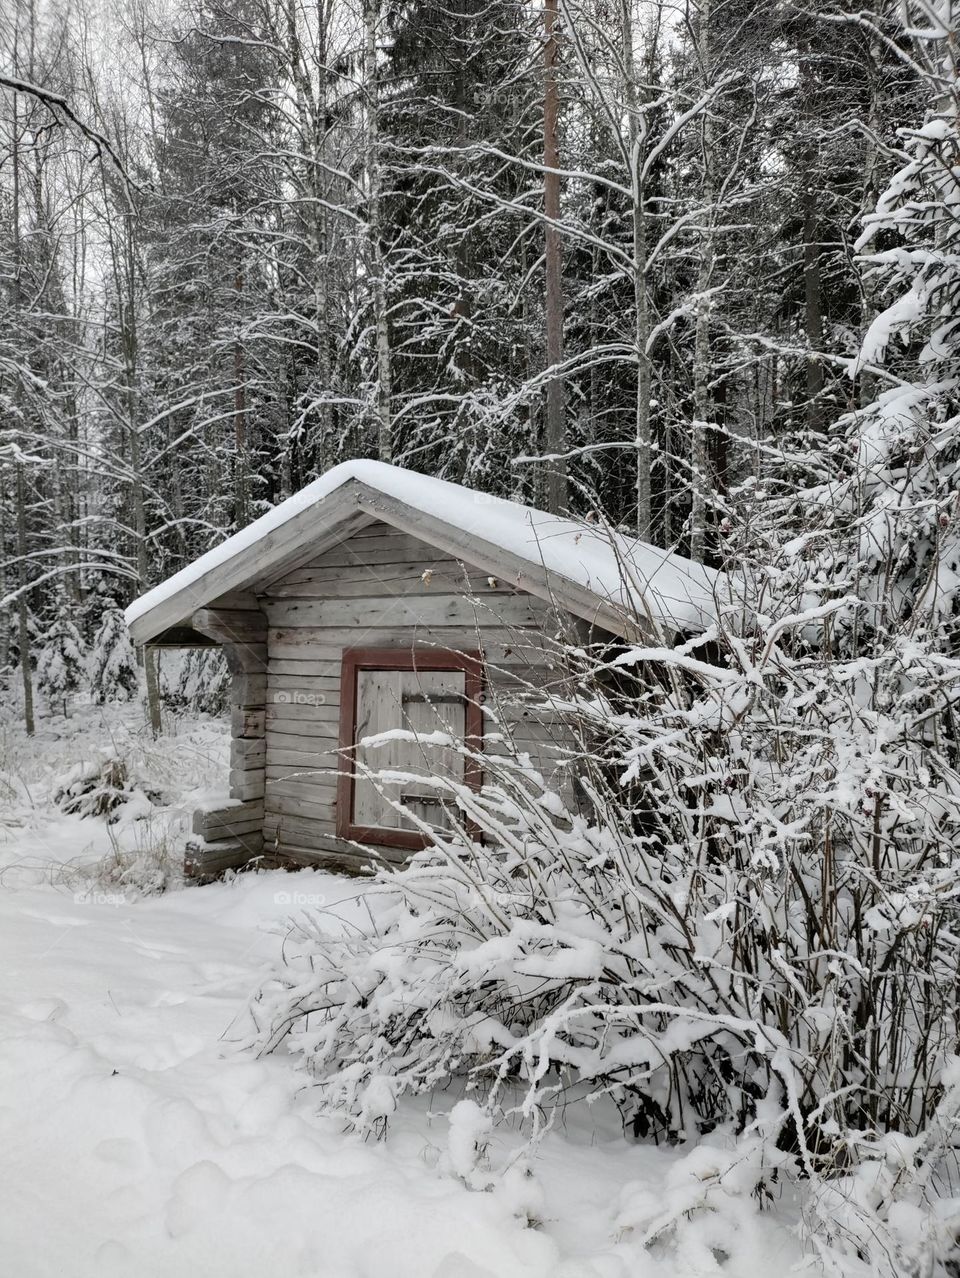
x=136 y=1138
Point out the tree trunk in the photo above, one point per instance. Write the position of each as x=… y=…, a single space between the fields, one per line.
x=125 y=278
x=700 y=479
x=23 y=616
x=555 y=434
x=812 y=307
x=374 y=234
x=241 y=513
x=642 y=422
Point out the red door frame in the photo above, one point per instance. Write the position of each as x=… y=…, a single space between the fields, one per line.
x=356 y=659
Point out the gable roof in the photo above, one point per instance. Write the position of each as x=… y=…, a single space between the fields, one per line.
x=621 y=583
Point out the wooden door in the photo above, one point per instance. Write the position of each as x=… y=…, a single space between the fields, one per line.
x=430 y=704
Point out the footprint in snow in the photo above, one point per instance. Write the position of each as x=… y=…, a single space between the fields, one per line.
x=58 y=920
x=120 y=1150
x=112 y=1257
x=43 y=1009
x=169 y=998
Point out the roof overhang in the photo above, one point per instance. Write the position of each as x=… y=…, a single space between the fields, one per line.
x=316 y=527
x=288 y=537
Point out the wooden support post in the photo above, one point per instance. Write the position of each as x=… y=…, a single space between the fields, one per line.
x=242 y=633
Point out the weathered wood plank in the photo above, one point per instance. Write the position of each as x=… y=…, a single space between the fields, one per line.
x=337 y=526
x=445 y=576
x=231 y=625
x=513 y=668
x=282 y=707
x=284 y=547
x=411 y=566
x=307 y=777
x=291 y=831
x=288 y=805
x=327 y=685
x=246 y=785
x=204 y=862
x=247 y=721
x=505 y=612
x=325 y=760
x=499 y=709
x=231 y=830
x=206 y=817
x=287 y=735
x=529 y=575
x=248 y=752
x=299 y=784
x=317 y=737
x=319 y=730
x=378 y=709
x=234 y=600
x=307 y=722
x=248 y=689
x=499 y=645
x=390 y=547
x=355 y=863
x=300 y=669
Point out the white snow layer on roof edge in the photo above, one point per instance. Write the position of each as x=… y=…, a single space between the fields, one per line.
x=673 y=590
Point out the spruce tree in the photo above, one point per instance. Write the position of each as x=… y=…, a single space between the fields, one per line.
x=61 y=666
x=113 y=664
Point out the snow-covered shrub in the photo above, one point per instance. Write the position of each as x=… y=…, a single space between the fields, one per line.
x=773 y=841
x=113 y=663
x=61 y=666
x=754 y=929
x=98 y=786
x=147 y=862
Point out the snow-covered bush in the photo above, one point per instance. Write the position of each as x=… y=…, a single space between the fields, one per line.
x=146 y=862
x=755 y=929
x=100 y=785
x=61 y=666
x=113 y=663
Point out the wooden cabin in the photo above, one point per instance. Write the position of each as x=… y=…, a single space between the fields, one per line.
x=378 y=600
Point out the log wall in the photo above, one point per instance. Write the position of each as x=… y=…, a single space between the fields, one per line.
x=383 y=588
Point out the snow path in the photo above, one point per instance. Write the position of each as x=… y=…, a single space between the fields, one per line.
x=136 y=1141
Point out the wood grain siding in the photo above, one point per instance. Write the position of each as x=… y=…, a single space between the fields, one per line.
x=378 y=589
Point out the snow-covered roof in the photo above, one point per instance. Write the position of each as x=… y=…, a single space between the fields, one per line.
x=620 y=582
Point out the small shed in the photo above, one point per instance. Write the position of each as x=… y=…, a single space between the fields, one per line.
x=379 y=599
